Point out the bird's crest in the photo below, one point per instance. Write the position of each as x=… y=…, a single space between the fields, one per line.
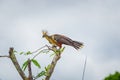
x=44 y=32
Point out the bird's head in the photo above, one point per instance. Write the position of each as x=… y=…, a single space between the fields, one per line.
x=45 y=33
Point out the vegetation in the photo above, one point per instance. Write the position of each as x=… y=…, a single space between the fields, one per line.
x=43 y=74
x=115 y=76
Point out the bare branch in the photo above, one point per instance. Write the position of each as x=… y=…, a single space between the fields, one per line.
x=52 y=65
x=30 y=70
x=5 y=56
x=39 y=53
x=40 y=49
x=49 y=48
x=16 y=64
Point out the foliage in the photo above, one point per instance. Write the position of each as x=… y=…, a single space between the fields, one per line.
x=44 y=72
x=115 y=76
x=35 y=62
x=25 y=64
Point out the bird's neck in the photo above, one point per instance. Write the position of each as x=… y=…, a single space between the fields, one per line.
x=47 y=37
x=51 y=40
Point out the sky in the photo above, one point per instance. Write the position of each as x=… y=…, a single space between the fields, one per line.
x=96 y=23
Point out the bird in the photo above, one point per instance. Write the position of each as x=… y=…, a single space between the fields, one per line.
x=58 y=40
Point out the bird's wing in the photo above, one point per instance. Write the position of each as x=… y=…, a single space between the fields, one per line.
x=63 y=39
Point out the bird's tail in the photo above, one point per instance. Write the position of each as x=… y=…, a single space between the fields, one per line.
x=77 y=45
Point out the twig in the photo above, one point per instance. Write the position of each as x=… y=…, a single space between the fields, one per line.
x=40 y=49
x=52 y=66
x=39 y=53
x=30 y=70
x=49 y=48
x=5 y=56
x=84 y=68
x=16 y=64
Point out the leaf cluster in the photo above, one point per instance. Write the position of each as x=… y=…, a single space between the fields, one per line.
x=115 y=76
x=23 y=53
x=34 y=62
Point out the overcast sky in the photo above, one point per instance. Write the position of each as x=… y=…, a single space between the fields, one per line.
x=96 y=23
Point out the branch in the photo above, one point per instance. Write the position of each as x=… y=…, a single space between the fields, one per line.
x=52 y=65
x=16 y=64
x=39 y=53
x=30 y=70
x=40 y=49
x=5 y=56
x=49 y=48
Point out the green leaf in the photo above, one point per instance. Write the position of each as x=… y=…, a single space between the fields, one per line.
x=42 y=73
x=45 y=68
x=56 y=51
x=35 y=62
x=15 y=51
x=62 y=49
x=27 y=53
x=25 y=64
x=21 y=53
x=48 y=67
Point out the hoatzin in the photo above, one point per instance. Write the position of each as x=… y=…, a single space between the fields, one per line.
x=58 y=40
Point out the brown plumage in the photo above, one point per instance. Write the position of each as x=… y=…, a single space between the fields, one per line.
x=58 y=40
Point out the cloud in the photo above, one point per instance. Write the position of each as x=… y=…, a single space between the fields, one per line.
x=96 y=23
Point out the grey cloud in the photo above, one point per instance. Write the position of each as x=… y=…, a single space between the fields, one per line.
x=96 y=23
